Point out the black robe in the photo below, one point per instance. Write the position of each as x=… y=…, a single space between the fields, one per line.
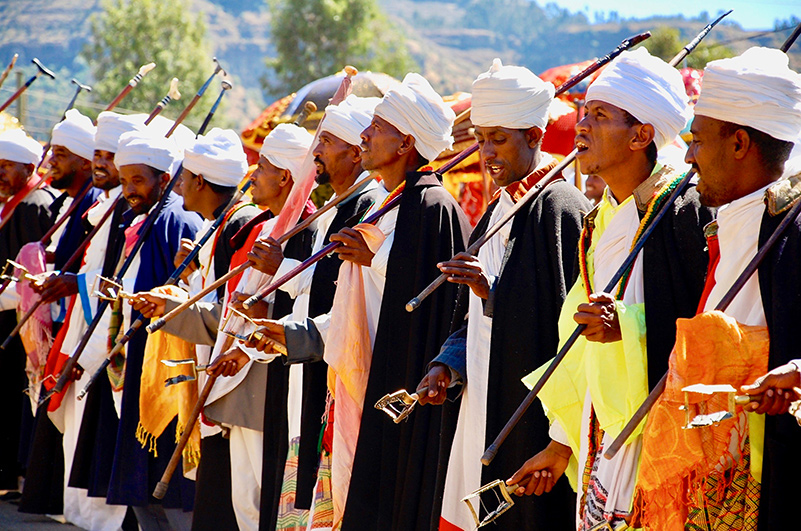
x=780 y=287
x=44 y=480
x=538 y=269
x=315 y=388
x=29 y=222
x=394 y=470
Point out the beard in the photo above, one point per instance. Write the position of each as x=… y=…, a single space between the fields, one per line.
x=322 y=178
x=62 y=182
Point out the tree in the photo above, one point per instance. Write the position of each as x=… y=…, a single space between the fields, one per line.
x=130 y=33
x=665 y=42
x=316 y=38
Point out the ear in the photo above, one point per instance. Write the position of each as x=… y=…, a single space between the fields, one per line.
x=286 y=178
x=164 y=179
x=357 y=154
x=643 y=137
x=201 y=181
x=742 y=144
x=534 y=136
x=407 y=145
x=86 y=165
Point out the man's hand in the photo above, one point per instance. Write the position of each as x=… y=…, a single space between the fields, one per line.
x=354 y=248
x=466 y=269
x=601 y=319
x=540 y=473
x=436 y=383
x=260 y=310
x=55 y=287
x=266 y=256
x=778 y=388
x=183 y=251
x=229 y=363
x=267 y=336
x=149 y=304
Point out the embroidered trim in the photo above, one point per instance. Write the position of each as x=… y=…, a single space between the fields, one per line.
x=585 y=240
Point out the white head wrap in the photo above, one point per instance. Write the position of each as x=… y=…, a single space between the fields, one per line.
x=647 y=88
x=286 y=146
x=182 y=136
x=16 y=146
x=144 y=147
x=416 y=109
x=510 y=96
x=76 y=133
x=756 y=89
x=347 y=120
x=219 y=157
x=111 y=126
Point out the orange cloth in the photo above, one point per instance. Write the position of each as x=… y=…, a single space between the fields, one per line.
x=349 y=353
x=158 y=405
x=711 y=348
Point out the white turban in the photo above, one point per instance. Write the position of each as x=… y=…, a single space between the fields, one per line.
x=111 y=126
x=219 y=157
x=416 y=109
x=510 y=96
x=347 y=120
x=286 y=146
x=182 y=135
x=756 y=89
x=75 y=132
x=647 y=88
x=144 y=147
x=16 y=146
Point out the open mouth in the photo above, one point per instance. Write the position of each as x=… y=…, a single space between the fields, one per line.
x=581 y=146
x=494 y=169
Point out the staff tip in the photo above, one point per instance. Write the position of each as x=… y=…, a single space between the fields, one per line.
x=412 y=305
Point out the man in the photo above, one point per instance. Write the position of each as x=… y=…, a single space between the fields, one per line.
x=70 y=169
x=746 y=121
x=91 y=424
x=145 y=161
x=29 y=217
x=383 y=475
x=213 y=168
x=634 y=108
x=338 y=159
x=517 y=285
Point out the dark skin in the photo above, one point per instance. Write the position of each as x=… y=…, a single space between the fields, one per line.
x=105 y=176
x=729 y=166
x=391 y=154
x=617 y=153
x=508 y=155
x=13 y=177
x=778 y=389
x=68 y=171
x=104 y=173
x=142 y=186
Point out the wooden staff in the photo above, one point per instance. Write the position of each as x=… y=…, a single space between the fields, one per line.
x=8 y=69
x=41 y=70
x=172 y=94
x=534 y=192
x=196 y=98
x=492 y=450
x=741 y=280
x=143 y=70
x=144 y=231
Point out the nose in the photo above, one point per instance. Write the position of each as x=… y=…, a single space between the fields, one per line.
x=365 y=136
x=689 y=157
x=487 y=150
x=317 y=150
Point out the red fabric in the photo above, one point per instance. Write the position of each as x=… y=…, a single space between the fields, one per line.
x=56 y=361
x=131 y=236
x=714 y=259
x=445 y=525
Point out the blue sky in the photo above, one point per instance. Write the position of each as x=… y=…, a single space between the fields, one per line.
x=750 y=14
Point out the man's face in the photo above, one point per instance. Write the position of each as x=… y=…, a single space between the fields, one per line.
x=505 y=153
x=187 y=188
x=64 y=165
x=13 y=176
x=334 y=158
x=266 y=182
x=707 y=155
x=104 y=173
x=602 y=139
x=142 y=186
x=380 y=144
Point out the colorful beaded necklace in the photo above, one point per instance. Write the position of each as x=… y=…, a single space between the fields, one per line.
x=585 y=240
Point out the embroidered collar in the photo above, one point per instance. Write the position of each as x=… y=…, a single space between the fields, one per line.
x=783 y=194
x=518 y=189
